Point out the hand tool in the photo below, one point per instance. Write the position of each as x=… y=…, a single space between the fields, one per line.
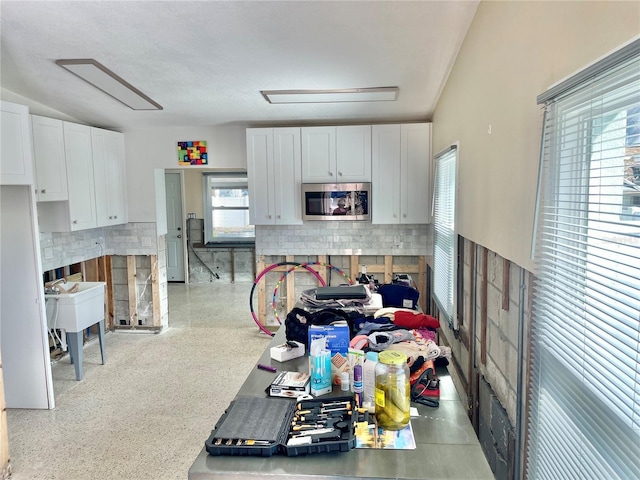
x=311 y=404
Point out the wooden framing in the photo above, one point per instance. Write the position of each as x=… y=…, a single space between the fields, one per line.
x=483 y=306
x=387 y=269
x=133 y=290
x=506 y=272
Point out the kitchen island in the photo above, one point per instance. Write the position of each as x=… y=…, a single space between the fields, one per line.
x=446 y=444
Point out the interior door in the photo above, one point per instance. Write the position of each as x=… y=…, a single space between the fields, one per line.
x=175 y=233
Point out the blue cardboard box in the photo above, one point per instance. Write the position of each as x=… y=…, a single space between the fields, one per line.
x=338 y=338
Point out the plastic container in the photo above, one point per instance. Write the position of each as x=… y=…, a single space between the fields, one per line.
x=393 y=390
x=369 y=377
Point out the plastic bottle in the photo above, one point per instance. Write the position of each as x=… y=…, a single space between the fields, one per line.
x=369 y=377
x=392 y=394
x=357 y=384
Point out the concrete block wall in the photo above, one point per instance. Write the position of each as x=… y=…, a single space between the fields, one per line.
x=498 y=384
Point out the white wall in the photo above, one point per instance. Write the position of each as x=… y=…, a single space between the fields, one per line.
x=147 y=149
x=513 y=52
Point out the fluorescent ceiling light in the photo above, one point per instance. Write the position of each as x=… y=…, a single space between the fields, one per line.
x=104 y=79
x=378 y=94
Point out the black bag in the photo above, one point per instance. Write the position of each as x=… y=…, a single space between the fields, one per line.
x=399 y=295
x=298 y=320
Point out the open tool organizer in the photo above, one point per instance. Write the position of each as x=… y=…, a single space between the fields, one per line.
x=267 y=426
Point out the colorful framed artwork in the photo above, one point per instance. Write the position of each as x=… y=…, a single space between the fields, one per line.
x=192 y=153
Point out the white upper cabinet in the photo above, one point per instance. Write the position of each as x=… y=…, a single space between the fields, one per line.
x=50 y=161
x=274 y=176
x=336 y=154
x=82 y=204
x=401 y=173
x=107 y=149
x=16 y=158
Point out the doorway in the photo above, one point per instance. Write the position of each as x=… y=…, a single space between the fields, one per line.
x=175 y=233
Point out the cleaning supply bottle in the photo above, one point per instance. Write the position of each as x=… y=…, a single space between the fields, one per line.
x=369 y=377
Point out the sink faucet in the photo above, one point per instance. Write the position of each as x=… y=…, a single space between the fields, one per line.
x=51 y=287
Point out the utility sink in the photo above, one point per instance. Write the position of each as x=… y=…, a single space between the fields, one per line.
x=73 y=312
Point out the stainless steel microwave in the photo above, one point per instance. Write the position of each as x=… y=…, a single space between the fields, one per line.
x=336 y=201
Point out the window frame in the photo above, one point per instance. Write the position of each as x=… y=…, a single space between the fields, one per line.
x=228 y=180
x=445 y=244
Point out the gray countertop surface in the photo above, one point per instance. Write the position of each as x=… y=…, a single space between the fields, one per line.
x=446 y=444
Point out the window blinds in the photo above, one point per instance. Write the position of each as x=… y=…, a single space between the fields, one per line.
x=584 y=416
x=444 y=236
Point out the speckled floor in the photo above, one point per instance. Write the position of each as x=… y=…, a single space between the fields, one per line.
x=147 y=412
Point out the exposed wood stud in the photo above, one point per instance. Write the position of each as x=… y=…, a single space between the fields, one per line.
x=262 y=295
x=354 y=267
x=133 y=290
x=155 y=291
x=422 y=282
x=388 y=268
x=506 y=272
x=110 y=310
x=472 y=306
x=483 y=307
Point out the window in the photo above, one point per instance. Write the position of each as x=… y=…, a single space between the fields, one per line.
x=585 y=374
x=444 y=203
x=226 y=216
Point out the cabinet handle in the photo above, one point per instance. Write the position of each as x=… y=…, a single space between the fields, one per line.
x=44 y=190
x=116 y=217
x=268 y=216
x=179 y=236
x=75 y=221
x=331 y=174
x=405 y=215
x=395 y=216
x=279 y=217
x=340 y=173
x=111 y=217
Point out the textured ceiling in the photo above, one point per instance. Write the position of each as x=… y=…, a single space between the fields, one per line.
x=206 y=62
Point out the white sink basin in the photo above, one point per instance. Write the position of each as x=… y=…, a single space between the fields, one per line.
x=74 y=312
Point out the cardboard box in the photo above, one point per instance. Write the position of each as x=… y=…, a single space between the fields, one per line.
x=290 y=384
x=338 y=337
x=283 y=352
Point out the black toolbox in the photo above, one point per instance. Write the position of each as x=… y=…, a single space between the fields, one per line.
x=265 y=426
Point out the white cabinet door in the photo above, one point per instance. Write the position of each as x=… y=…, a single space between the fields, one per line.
x=82 y=207
x=319 y=154
x=353 y=153
x=336 y=154
x=287 y=165
x=274 y=176
x=260 y=176
x=50 y=161
x=415 y=167
x=16 y=158
x=401 y=173
x=107 y=148
x=385 y=166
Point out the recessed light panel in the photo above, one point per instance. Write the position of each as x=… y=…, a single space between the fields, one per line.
x=378 y=94
x=104 y=79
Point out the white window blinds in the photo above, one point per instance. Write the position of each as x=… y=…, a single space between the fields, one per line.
x=444 y=232
x=584 y=416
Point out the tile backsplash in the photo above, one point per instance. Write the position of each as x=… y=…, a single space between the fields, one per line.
x=59 y=249
x=344 y=238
